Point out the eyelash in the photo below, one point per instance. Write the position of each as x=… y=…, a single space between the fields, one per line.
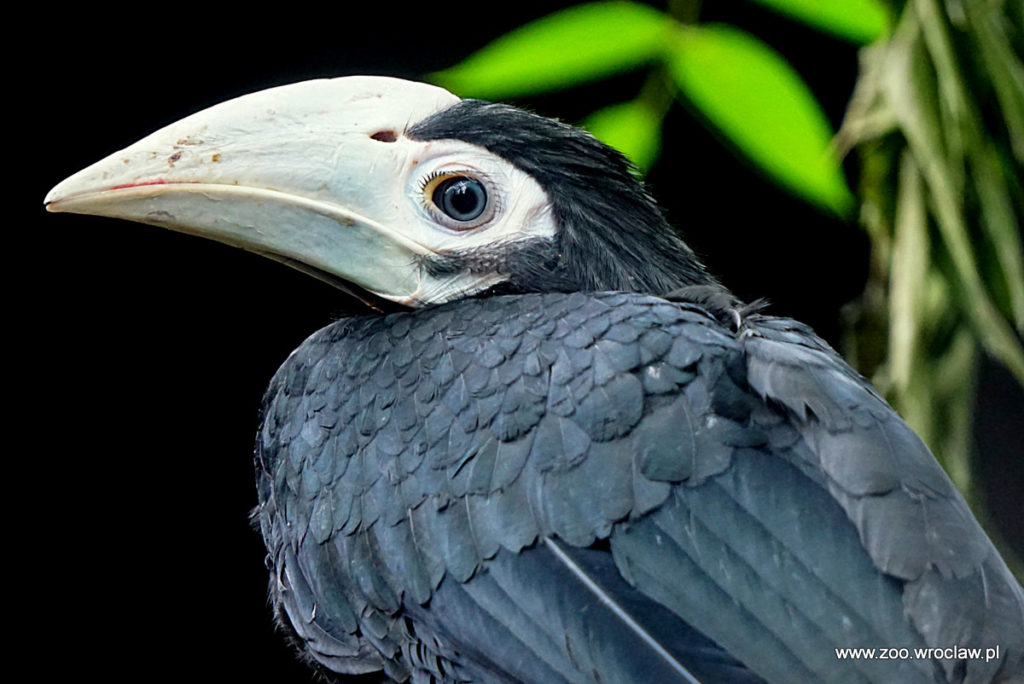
x=428 y=180
x=432 y=176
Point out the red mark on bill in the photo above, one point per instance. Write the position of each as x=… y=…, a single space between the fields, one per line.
x=158 y=181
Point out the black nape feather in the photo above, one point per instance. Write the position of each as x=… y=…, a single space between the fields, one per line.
x=611 y=233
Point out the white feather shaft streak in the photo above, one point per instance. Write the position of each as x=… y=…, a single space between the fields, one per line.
x=619 y=612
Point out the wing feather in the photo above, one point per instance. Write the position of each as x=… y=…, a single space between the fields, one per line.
x=763 y=505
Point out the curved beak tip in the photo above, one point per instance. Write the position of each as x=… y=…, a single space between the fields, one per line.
x=56 y=199
x=51 y=199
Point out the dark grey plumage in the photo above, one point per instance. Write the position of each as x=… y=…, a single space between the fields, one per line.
x=744 y=483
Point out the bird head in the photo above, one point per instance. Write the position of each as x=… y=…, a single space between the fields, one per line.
x=399 y=189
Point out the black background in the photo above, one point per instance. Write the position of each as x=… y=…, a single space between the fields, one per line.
x=140 y=364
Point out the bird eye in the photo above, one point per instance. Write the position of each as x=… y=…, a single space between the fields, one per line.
x=460 y=198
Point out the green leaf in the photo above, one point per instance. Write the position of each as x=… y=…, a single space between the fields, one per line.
x=750 y=93
x=578 y=44
x=632 y=128
x=862 y=21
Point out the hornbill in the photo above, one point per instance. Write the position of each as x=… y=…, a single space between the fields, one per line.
x=556 y=449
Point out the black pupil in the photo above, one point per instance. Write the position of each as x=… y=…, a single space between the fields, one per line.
x=461 y=198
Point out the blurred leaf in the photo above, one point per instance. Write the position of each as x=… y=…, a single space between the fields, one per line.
x=758 y=101
x=955 y=116
x=1005 y=71
x=951 y=377
x=632 y=128
x=862 y=21
x=908 y=82
x=578 y=44
x=908 y=273
x=1000 y=225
